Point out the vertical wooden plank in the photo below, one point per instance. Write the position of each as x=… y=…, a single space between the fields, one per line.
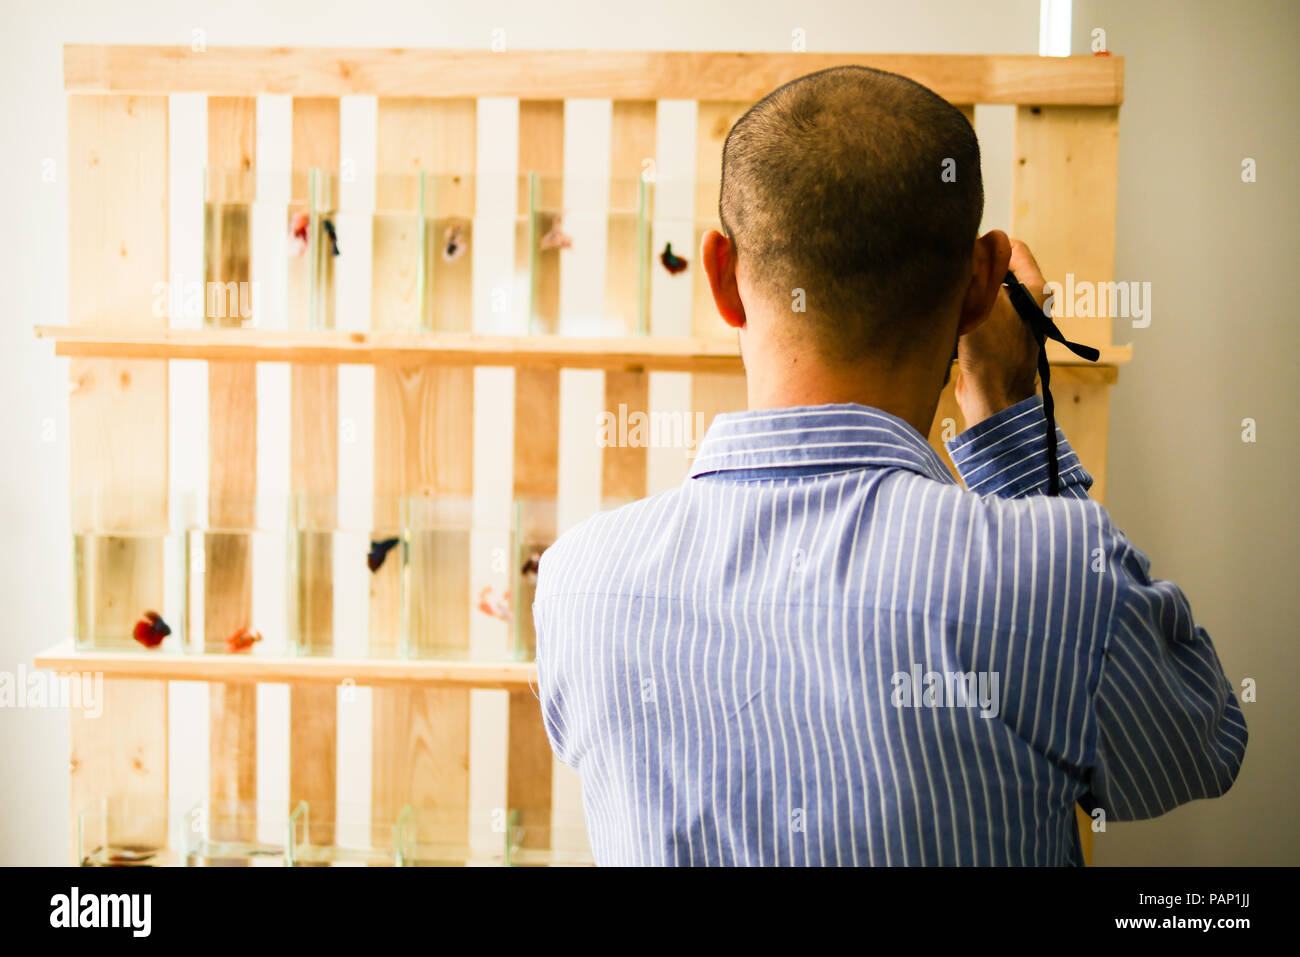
x=632 y=139
x=537 y=431
x=1063 y=205
x=232 y=454
x=313 y=473
x=541 y=152
x=1063 y=195
x=117 y=202
x=424 y=444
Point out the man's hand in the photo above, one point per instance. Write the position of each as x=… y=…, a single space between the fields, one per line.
x=997 y=361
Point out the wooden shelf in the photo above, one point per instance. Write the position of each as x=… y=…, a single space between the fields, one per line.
x=385 y=672
x=563 y=74
x=634 y=353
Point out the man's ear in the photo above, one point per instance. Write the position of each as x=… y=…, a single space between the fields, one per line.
x=718 y=256
x=989 y=266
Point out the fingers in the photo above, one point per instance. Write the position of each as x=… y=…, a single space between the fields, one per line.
x=1026 y=270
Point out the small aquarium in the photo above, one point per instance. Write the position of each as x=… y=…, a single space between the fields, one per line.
x=237 y=834
x=125 y=832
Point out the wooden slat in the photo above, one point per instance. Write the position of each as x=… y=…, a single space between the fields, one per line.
x=313 y=474
x=1063 y=195
x=632 y=139
x=561 y=74
x=370 y=672
x=636 y=354
x=117 y=201
x=424 y=445
x=232 y=461
x=536 y=458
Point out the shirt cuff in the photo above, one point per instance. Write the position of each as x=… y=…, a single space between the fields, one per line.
x=1006 y=454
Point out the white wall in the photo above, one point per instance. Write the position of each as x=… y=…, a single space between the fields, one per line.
x=1207 y=85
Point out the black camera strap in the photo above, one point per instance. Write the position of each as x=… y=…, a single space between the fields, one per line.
x=1043 y=328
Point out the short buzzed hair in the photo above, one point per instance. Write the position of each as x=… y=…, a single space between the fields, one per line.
x=835 y=184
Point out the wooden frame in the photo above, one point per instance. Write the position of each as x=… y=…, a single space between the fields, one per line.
x=425 y=735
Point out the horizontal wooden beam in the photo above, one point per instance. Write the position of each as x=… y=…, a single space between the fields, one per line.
x=559 y=74
x=634 y=353
x=386 y=672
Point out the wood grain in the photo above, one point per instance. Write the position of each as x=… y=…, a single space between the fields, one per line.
x=313 y=476
x=117 y=252
x=561 y=74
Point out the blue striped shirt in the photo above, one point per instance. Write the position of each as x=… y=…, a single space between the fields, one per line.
x=821 y=649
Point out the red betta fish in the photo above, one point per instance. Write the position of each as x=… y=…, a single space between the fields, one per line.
x=496 y=606
x=556 y=238
x=672 y=262
x=151 y=629
x=298 y=231
x=242 y=640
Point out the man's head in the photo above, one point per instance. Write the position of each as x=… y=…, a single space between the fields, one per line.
x=862 y=189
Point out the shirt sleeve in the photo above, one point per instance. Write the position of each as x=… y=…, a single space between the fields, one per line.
x=1169 y=728
x=1006 y=455
x=548 y=694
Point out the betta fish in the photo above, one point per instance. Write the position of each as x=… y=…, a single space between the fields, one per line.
x=672 y=262
x=151 y=629
x=556 y=238
x=298 y=232
x=379 y=551
x=453 y=242
x=243 y=639
x=333 y=236
x=532 y=565
x=493 y=605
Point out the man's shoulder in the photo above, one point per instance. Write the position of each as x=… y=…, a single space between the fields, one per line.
x=597 y=545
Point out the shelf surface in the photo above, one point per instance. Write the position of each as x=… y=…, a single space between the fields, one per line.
x=631 y=353
x=504 y=675
x=564 y=74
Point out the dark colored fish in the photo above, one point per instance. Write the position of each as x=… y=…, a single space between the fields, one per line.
x=453 y=243
x=672 y=262
x=333 y=236
x=379 y=551
x=151 y=630
x=532 y=564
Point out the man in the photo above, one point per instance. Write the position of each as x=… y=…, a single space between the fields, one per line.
x=743 y=669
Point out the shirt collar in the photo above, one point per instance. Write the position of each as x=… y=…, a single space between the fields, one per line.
x=823 y=437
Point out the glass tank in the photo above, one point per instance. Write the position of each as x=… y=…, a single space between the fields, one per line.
x=590 y=237
x=128 y=574
x=236 y=834
x=547 y=838
x=345 y=575
x=342 y=835
x=124 y=832
x=252 y=245
x=536 y=528
x=235 y=567
x=456 y=600
x=451 y=252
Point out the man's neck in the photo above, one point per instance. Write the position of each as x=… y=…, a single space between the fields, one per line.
x=908 y=391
